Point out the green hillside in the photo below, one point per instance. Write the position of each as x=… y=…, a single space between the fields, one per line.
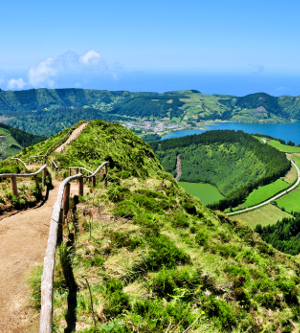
x=31 y=109
x=12 y=140
x=155 y=257
x=234 y=162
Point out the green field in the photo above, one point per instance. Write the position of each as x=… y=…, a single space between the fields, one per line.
x=205 y=192
x=291 y=201
x=265 y=215
x=265 y=192
x=286 y=148
x=296 y=159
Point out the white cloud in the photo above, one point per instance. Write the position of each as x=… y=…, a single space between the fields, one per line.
x=49 y=71
x=43 y=72
x=90 y=59
x=16 y=84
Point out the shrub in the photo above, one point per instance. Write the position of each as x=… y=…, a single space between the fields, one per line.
x=201 y=238
x=124 y=239
x=118 y=193
x=223 y=315
x=148 y=203
x=126 y=208
x=116 y=302
x=180 y=220
x=190 y=208
x=163 y=252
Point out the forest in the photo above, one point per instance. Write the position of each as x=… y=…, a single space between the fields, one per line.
x=30 y=110
x=283 y=235
x=23 y=138
x=234 y=162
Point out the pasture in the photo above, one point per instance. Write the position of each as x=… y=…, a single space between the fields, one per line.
x=265 y=192
x=268 y=214
x=291 y=201
x=205 y=192
x=285 y=148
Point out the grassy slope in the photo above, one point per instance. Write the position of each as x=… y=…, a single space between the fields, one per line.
x=205 y=192
x=285 y=148
x=157 y=257
x=266 y=215
x=265 y=192
x=9 y=146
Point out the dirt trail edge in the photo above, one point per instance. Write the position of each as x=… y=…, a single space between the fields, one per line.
x=23 y=242
x=73 y=136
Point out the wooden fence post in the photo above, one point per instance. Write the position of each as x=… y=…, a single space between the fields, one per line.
x=66 y=199
x=60 y=228
x=37 y=183
x=13 y=181
x=44 y=176
x=80 y=186
x=70 y=172
x=94 y=181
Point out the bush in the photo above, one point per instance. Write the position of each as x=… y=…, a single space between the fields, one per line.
x=148 y=203
x=118 y=193
x=223 y=315
x=190 y=208
x=126 y=208
x=163 y=252
x=116 y=302
x=180 y=220
x=201 y=238
x=124 y=239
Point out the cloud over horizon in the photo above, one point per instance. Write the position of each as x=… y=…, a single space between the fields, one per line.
x=47 y=72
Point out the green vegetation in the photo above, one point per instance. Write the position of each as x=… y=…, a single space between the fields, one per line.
x=155 y=257
x=12 y=140
x=234 y=162
x=284 y=235
x=265 y=215
x=291 y=201
x=265 y=192
x=283 y=147
x=31 y=109
x=205 y=192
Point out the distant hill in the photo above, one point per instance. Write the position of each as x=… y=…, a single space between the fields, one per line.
x=234 y=162
x=48 y=111
x=13 y=140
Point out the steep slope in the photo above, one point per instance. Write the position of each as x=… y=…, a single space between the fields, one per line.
x=12 y=140
x=234 y=162
x=155 y=258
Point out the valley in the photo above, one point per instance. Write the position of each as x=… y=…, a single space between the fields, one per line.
x=151 y=255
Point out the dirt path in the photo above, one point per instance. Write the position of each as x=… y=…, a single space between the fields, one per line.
x=23 y=240
x=73 y=136
x=178 y=169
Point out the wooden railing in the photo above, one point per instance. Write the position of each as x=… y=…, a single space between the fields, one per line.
x=60 y=210
x=18 y=160
x=13 y=178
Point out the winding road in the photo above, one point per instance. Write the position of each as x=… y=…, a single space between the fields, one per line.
x=273 y=198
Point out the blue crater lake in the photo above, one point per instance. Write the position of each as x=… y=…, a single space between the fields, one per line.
x=286 y=131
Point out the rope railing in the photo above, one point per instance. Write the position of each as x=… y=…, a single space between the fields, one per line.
x=13 y=178
x=60 y=211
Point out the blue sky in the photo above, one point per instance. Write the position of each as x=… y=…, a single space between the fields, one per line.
x=219 y=46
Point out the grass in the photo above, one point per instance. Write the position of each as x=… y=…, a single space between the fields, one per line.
x=207 y=193
x=179 y=265
x=265 y=192
x=285 y=148
x=268 y=214
x=291 y=201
